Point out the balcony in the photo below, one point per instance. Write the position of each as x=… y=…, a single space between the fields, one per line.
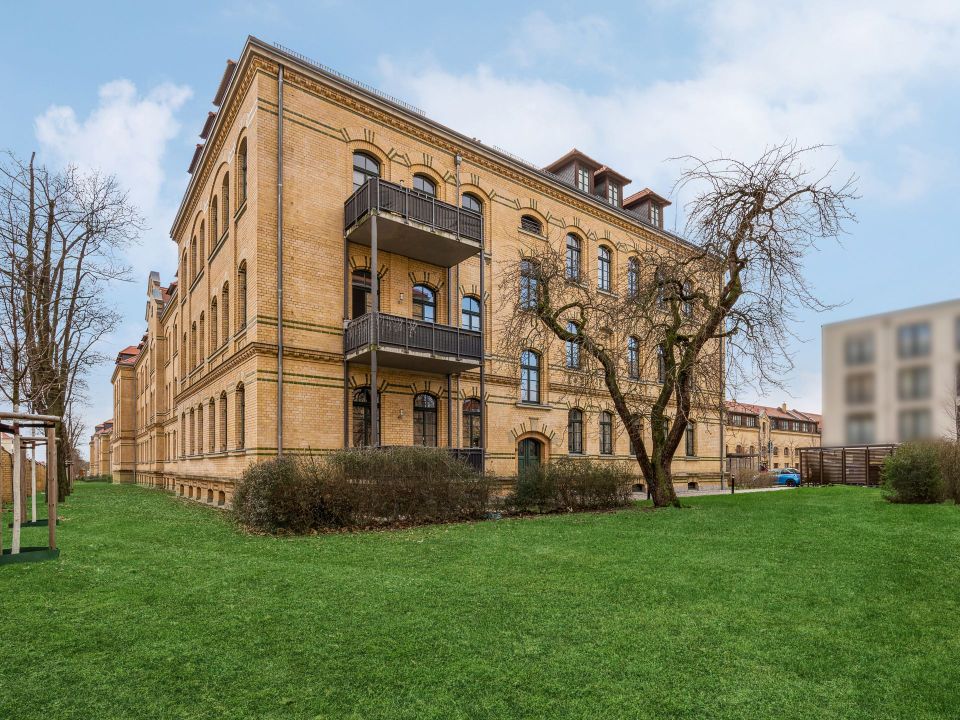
x=411 y=344
x=412 y=224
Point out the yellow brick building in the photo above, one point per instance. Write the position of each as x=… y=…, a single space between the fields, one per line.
x=253 y=347
x=764 y=437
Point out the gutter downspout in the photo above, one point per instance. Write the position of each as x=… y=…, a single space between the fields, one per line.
x=280 y=261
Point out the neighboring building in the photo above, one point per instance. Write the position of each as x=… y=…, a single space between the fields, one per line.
x=208 y=394
x=764 y=438
x=100 y=448
x=892 y=377
x=6 y=470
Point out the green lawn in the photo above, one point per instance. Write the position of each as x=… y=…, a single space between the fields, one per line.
x=813 y=603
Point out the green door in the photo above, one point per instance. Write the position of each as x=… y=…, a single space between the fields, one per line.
x=528 y=455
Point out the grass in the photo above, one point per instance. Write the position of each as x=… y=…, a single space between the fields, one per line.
x=810 y=603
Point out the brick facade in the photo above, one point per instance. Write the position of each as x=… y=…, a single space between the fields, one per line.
x=203 y=383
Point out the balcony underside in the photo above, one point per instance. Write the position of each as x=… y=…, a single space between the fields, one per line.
x=403 y=236
x=414 y=360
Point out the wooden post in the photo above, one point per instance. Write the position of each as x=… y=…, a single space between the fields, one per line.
x=17 y=483
x=33 y=482
x=52 y=486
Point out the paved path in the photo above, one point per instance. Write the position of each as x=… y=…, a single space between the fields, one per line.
x=714 y=491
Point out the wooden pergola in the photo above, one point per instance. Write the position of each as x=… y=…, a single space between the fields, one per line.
x=14 y=423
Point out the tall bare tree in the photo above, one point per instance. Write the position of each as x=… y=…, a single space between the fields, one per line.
x=693 y=316
x=64 y=232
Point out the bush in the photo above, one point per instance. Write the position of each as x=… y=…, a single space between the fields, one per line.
x=912 y=474
x=568 y=485
x=747 y=478
x=360 y=489
x=949 y=457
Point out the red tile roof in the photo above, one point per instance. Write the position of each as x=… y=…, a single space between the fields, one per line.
x=645 y=194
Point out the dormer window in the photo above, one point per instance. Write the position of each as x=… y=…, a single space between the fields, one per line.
x=656 y=215
x=613 y=194
x=583 y=179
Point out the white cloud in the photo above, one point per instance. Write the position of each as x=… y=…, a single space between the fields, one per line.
x=820 y=72
x=538 y=39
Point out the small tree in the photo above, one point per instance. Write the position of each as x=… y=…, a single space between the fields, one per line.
x=693 y=315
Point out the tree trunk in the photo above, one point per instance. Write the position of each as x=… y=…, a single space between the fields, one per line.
x=661 y=487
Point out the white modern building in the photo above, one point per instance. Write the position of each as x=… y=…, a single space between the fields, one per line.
x=892 y=377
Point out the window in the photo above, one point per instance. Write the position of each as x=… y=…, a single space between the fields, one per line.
x=575 y=431
x=193 y=258
x=661 y=365
x=242 y=172
x=214 y=325
x=686 y=306
x=613 y=194
x=242 y=295
x=603 y=268
x=913 y=383
x=183 y=434
x=583 y=179
x=633 y=357
x=914 y=425
x=240 y=406
x=913 y=340
x=364 y=168
x=572 y=347
x=200 y=429
x=214 y=223
x=860 y=429
x=633 y=277
x=223 y=421
x=859 y=388
x=858 y=349
x=421 y=183
x=470 y=313
x=225 y=200
x=361 y=293
x=656 y=215
x=193 y=430
x=528 y=286
x=606 y=433
x=183 y=358
x=424 y=304
x=531 y=225
x=469 y=201
x=471 y=422
x=212 y=430
x=573 y=257
x=425 y=420
x=193 y=345
x=200 y=338
x=661 y=290
x=690 y=439
x=362 y=422
x=225 y=312
x=529 y=377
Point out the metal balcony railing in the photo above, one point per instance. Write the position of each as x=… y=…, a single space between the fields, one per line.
x=407 y=334
x=387 y=197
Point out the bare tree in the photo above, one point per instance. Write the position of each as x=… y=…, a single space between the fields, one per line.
x=64 y=232
x=693 y=316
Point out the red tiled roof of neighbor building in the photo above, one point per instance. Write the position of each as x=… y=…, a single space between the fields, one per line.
x=128 y=356
x=782 y=412
x=642 y=195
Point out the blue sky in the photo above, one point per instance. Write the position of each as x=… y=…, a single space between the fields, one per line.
x=126 y=87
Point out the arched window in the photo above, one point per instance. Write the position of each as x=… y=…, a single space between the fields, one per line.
x=225 y=312
x=362 y=422
x=214 y=325
x=739 y=449
x=529 y=377
x=422 y=183
x=471 y=202
x=753 y=449
x=606 y=433
x=212 y=429
x=572 y=347
x=529 y=291
x=531 y=224
x=361 y=293
x=364 y=168
x=575 y=431
x=183 y=358
x=661 y=365
x=424 y=304
x=200 y=339
x=425 y=420
x=573 y=257
x=200 y=429
x=225 y=202
x=223 y=421
x=471 y=422
x=633 y=357
x=193 y=431
x=242 y=172
x=240 y=412
x=193 y=259
x=687 y=305
x=633 y=277
x=183 y=434
x=690 y=439
x=193 y=345
x=603 y=268
x=242 y=295
x=470 y=313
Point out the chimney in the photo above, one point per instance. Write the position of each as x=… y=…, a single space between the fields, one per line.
x=783 y=407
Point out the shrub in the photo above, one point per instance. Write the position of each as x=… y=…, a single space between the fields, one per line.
x=568 y=485
x=277 y=496
x=912 y=474
x=949 y=457
x=746 y=478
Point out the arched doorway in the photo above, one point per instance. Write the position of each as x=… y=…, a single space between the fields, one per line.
x=529 y=455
